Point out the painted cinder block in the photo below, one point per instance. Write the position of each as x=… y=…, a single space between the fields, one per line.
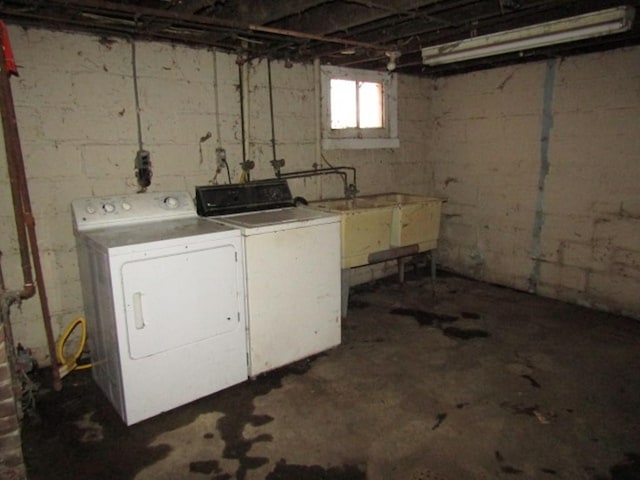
x=588 y=125
x=619 y=63
x=563 y=276
x=584 y=255
x=619 y=232
x=53 y=160
x=84 y=126
x=40 y=86
x=627 y=258
x=414 y=131
x=591 y=170
x=571 y=227
x=54 y=51
x=297 y=77
x=614 y=92
x=458 y=191
x=506 y=268
x=99 y=161
x=615 y=292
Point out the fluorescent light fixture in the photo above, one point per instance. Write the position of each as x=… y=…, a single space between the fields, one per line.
x=595 y=24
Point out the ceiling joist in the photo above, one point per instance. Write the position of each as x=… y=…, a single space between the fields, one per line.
x=340 y=32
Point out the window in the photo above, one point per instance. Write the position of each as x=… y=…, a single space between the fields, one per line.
x=359 y=109
x=356 y=104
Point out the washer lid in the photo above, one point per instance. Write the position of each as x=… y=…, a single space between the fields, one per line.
x=185 y=230
x=279 y=219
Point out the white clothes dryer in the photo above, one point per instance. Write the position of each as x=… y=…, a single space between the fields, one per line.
x=164 y=298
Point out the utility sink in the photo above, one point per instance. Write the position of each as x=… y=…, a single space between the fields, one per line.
x=385 y=226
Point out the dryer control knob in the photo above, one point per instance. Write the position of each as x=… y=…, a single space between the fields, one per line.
x=126 y=206
x=171 y=202
x=109 y=207
x=91 y=209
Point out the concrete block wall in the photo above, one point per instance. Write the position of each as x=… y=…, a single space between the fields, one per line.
x=571 y=231
x=76 y=112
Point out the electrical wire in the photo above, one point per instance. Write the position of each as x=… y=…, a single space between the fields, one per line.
x=216 y=100
x=241 y=83
x=136 y=94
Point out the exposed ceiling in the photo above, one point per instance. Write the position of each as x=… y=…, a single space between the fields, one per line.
x=355 y=33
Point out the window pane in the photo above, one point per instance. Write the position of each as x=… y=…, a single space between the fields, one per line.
x=370 y=104
x=343 y=104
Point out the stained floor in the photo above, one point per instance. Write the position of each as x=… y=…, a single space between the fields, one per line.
x=474 y=382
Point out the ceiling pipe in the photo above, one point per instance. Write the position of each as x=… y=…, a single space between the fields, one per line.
x=137 y=11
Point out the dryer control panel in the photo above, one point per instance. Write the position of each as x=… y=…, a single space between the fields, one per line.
x=113 y=210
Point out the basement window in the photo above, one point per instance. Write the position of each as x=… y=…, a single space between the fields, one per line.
x=359 y=109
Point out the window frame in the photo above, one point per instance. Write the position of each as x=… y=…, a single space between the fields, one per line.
x=360 y=138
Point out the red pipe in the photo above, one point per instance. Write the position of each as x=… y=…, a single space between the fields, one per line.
x=25 y=223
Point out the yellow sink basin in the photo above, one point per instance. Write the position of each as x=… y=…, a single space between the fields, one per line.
x=384 y=226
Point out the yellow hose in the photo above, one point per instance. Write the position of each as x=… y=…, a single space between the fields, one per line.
x=69 y=364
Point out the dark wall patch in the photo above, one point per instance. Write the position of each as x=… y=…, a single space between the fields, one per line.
x=471 y=315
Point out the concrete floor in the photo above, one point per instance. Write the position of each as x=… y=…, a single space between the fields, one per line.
x=476 y=382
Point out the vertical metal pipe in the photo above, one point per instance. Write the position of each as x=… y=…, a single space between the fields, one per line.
x=317 y=103
x=22 y=209
x=2 y=285
x=12 y=149
x=247 y=112
x=273 y=128
x=240 y=74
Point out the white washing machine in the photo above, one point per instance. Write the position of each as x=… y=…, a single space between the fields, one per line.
x=292 y=258
x=164 y=296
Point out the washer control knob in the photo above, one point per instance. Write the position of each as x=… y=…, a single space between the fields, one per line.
x=126 y=206
x=171 y=202
x=109 y=207
x=90 y=209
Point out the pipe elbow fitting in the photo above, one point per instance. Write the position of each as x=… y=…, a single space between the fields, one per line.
x=28 y=291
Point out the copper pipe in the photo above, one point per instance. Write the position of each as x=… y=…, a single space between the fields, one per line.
x=10 y=130
x=25 y=223
x=311 y=36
